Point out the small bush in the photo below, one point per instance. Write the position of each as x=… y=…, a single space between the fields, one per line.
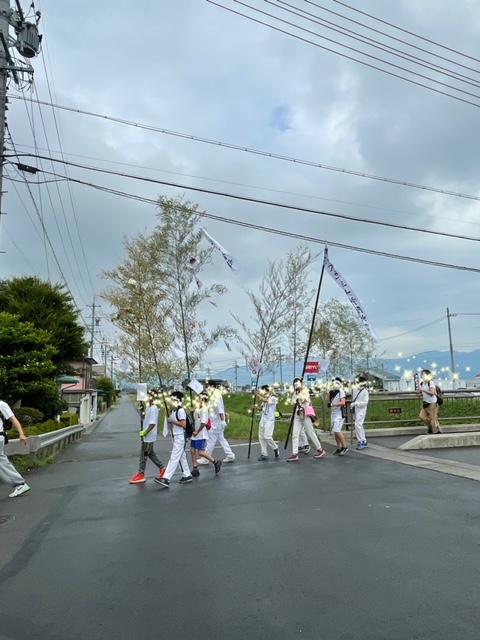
x=69 y=419
x=27 y=416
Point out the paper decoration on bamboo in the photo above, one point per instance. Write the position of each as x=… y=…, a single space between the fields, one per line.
x=176 y=353
x=229 y=259
x=229 y=348
x=212 y=302
x=196 y=386
x=125 y=365
x=195 y=326
x=199 y=283
x=193 y=264
x=165 y=428
x=343 y=284
x=142 y=394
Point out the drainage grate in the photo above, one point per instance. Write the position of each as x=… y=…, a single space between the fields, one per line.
x=6 y=519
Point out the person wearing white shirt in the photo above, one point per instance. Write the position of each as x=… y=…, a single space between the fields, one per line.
x=428 y=392
x=337 y=400
x=198 y=441
x=300 y=401
x=217 y=416
x=267 y=422
x=177 y=422
x=358 y=407
x=149 y=435
x=8 y=473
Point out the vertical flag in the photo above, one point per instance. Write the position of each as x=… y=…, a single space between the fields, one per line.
x=342 y=283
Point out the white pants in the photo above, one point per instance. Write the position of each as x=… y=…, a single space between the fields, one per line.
x=8 y=473
x=265 y=435
x=302 y=438
x=359 y=420
x=300 y=423
x=178 y=456
x=216 y=435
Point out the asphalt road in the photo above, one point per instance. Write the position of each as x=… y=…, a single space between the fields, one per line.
x=351 y=548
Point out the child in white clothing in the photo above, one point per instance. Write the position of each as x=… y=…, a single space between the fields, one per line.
x=198 y=441
x=177 y=422
x=267 y=422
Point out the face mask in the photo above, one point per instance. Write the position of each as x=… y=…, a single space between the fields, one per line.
x=297 y=386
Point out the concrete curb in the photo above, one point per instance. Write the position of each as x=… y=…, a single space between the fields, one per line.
x=442 y=441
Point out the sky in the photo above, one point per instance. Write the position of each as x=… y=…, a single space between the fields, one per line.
x=195 y=68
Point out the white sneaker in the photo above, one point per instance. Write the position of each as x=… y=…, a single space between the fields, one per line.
x=203 y=461
x=229 y=459
x=19 y=490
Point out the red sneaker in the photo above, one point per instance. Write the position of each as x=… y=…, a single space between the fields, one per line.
x=162 y=472
x=137 y=479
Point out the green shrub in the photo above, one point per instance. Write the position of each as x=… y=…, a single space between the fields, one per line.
x=69 y=419
x=27 y=416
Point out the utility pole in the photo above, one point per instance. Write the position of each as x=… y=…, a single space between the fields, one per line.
x=452 y=360
x=235 y=366
x=111 y=366
x=27 y=42
x=280 y=361
x=92 y=329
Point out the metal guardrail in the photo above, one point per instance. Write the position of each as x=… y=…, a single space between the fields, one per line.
x=45 y=444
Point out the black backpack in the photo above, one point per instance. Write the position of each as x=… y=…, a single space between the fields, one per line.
x=7 y=426
x=189 y=424
x=439 y=395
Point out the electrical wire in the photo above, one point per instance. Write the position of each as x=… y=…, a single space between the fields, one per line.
x=355 y=50
x=411 y=33
x=248 y=186
x=371 y=42
x=269 y=154
x=250 y=199
x=404 y=333
x=387 y=35
x=344 y=55
x=296 y=236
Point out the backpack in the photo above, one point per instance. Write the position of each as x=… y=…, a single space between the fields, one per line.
x=7 y=426
x=439 y=395
x=189 y=424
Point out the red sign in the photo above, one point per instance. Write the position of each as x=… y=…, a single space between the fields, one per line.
x=312 y=367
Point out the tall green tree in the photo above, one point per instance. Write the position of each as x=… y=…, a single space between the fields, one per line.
x=26 y=365
x=48 y=307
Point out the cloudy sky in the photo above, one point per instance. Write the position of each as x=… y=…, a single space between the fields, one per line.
x=192 y=67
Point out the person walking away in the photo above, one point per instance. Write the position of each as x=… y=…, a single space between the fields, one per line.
x=337 y=401
x=358 y=408
x=267 y=422
x=8 y=473
x=300 y=401
x=429 y=412
x=198 y=441
x=148 y=437
x=217 y=416
x=177 y=421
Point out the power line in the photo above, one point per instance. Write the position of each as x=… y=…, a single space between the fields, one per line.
x=349 y=48
x=243 y=184
x=371 y=42
x=296 y=236
x=344 y=55
x=268 y=154
x=411 y=33
x=387 y=35
x=404 y=333
x=250 y=199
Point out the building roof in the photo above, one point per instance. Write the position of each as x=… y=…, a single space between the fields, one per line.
x=383 y=374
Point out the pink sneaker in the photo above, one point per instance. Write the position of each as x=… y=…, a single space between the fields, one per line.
x=293 y=457
x=319 y=453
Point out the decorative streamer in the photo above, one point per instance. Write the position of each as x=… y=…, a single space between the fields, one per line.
x=229 y=259
x=342 y=283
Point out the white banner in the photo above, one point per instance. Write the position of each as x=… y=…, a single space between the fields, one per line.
x=229 y=259
x=350 y=295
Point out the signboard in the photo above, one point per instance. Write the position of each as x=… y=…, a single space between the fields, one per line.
x=312 y=367
x=311 y=378
x=395 y=410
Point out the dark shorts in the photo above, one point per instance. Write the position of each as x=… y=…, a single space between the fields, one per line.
x=199 y=445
